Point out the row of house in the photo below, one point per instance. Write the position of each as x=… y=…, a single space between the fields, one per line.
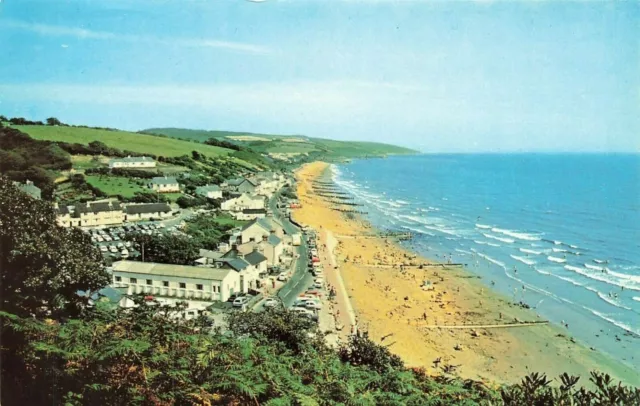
x=109 y=213
x=133 y=162
x=249 y=196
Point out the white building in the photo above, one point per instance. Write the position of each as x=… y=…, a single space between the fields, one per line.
x=176 y=281
x=90 y=214
x=249 y=214
x=164 y=184
x=146 y=211
x=210 y=191
x=249 y=267
x=243 y=202
x=258 y=228
x=29 y=188
x=133 y=162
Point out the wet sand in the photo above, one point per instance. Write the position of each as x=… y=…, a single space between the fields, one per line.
x=439 y=315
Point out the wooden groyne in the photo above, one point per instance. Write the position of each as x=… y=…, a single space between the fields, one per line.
x=349 y=211
x=480 y=326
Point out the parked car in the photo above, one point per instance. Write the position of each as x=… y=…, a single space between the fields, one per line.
x=100 y=238
x=271 y=302
x=127 y=244
x=305 y=312
x=318 y=285
x=107 y=238
x=113 y=249
x=124 y=253
x=240 y=301
x=282 y=277
x=120 y=245
x=104 y=248
x=313 y=304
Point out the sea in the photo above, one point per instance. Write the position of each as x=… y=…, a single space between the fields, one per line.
x=559 y=232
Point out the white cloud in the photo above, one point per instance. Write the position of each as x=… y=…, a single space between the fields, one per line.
x=82 y=33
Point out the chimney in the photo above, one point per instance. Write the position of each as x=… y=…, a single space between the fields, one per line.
x=264 y=237
x=272 y=231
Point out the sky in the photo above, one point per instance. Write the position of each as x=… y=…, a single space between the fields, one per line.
x=477 y=76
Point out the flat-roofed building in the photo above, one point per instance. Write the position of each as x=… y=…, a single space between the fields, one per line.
x=176 y=281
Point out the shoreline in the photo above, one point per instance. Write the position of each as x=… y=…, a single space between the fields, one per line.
x=442 y=315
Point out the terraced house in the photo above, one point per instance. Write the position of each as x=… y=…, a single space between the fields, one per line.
x=146 y=211
x=90 y=214
x=133 y=162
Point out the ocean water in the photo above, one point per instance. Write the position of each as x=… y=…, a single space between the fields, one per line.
x=559 y=232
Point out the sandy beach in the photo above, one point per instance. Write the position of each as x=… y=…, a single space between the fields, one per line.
x=433 y=315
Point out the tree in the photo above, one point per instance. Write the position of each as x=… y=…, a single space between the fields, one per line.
x=360 y=350
x=167 y=248
x=53 y=121
x=43 y=265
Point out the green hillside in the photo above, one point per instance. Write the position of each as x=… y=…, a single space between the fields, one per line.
x=142 y=143
x=270 y=143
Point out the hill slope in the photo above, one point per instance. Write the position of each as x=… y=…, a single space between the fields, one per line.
x=270 y=143
x=142 y=143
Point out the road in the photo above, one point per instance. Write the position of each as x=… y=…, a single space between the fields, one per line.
x=301 y=278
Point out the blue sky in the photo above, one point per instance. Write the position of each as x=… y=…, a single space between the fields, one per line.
x=481 y=76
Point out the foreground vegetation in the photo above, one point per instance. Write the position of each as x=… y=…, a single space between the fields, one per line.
x=60 y=347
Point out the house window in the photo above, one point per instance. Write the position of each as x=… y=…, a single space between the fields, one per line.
x=165 y=284
x=149 y=282
x=118 y=278
x=199 y=286
x=133 y=280
x=183 y=285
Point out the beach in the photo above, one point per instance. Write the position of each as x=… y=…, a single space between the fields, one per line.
x=432 y=315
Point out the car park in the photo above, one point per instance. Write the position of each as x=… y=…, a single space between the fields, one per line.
x=240 y=301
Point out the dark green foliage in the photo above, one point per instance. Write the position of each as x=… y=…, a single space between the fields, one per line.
x=24 y=121
x=360 y=350
x=207 y=231
x=53 y=121
x=288 y=193
x=146 y=197
x=185 y=202
x=166 y=248
x=123 y=172
x=43 y=265
x=216 y=142
x=534 y=389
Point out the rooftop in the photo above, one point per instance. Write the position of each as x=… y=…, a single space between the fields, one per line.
x=133 y=159
x=164 y=180
x=185 y=271
x=147 y=208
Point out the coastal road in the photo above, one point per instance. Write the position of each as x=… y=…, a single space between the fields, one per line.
x=301 y=279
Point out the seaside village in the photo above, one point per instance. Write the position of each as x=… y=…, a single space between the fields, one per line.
x=249 y=270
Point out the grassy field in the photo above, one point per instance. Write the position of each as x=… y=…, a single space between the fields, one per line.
x=330 y=148
x=225 y=218
x=82 y=162
x=124 y=140
x=115 y=185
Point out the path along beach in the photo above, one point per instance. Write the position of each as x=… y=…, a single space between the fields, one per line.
x=435 y=313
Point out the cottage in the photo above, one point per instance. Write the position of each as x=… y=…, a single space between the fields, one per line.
x=146 y=211
x=164 y=184
x=90 y=214
x=210 y=191
x=271 y=246
x=29 y=188
x=240 y=185
x=242 y=202
x=133 y=162
x=258 y=228
x=249 y=266
x=175 y=281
